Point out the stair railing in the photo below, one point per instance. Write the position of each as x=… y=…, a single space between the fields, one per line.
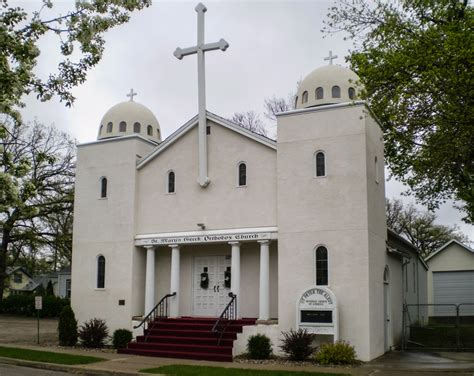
x=229 y=313
x=160 y=311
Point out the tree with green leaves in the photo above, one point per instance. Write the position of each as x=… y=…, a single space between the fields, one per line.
x=80 y=33
x=415 y=59
x=37 y=167
x=420 y=227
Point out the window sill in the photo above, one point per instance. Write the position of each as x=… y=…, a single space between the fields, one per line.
x=170 y=193
x=100 y=289
x=320 y=177
x=102 y=198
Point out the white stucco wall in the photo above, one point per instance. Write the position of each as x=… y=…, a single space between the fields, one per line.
x=105 y=227
x=333 y=211
x=222 y=205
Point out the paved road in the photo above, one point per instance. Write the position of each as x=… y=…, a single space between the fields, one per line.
x=8 y=370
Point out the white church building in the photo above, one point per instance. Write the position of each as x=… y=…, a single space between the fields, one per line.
x=294 y=227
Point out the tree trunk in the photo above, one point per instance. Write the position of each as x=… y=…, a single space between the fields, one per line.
x=3 y=260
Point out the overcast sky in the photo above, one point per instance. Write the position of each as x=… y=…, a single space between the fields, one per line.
x=273 y=44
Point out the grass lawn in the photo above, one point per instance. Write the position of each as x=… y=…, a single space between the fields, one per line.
x=181 y=370
x=46 y=356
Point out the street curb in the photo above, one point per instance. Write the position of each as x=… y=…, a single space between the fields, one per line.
x=65 y=368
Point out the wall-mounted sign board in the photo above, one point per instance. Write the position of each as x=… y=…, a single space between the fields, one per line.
x=317 y=311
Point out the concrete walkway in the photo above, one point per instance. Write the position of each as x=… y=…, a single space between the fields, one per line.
x=393 y=364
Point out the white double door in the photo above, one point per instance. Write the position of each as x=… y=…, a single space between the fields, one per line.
x=210 y=300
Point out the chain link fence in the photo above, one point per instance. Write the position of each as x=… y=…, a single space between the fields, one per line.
x=449 y=327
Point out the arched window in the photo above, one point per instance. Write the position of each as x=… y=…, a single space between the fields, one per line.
x=110 y=127
x=296 y=101
x=352 y=93
x=304 y=97
x=319 y=93
x=171 y=182
x=149 y=130
x=320 y=164
x=103 y=187
x=322 y=266
x=122 y=126
x=376 y=168
x=242 y=174
x=136 y=127
x=386 y=275
x=336 y=92
x=158 y=132
x=101 y=272
x=101 y=128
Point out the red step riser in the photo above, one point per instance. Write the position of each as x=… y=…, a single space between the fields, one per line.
x=186 y=340
x=182 y=348
x=169 y=326
x=189 y=333
x=162 y=354
x=206 y=321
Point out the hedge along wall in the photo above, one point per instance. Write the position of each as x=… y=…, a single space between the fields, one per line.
x=24 y=305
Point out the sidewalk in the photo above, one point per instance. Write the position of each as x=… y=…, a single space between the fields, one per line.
x=393 y=364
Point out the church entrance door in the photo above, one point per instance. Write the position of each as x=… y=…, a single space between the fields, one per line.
x=210 y=296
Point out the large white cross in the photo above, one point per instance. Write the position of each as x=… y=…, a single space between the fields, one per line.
x=131 y=95
x=331 y=57
x=200 y=49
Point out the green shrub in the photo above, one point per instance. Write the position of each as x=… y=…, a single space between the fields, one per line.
x=93 y=333
x=24 y=305
x=336 y=353
x=121 y=338
x=297 y=344
x=259 y=347
x=67 y=327
x=40 y=290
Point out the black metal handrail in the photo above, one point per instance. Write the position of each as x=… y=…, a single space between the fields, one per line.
x=229 y=313
x=160 y=311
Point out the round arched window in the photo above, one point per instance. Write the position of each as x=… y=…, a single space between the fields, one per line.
x=122 y=126
x=136 y=127
x=149 y=130
x=305 y=97
x=352 y=93
x=336 y=92
x=110 y=127
x=319 y=93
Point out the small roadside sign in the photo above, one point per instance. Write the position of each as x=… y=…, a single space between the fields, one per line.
x=38 y=302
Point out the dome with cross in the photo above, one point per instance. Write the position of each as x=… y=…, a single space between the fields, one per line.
x=128 y=118
x=328 y=84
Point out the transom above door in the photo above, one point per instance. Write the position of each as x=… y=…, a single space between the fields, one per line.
x=211 y=285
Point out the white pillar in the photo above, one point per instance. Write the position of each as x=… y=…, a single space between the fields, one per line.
x=150 y=279
x=174 y=285
x=264 y=300
x=235 y=274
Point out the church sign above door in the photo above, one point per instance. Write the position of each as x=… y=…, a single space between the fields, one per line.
x=317 y=311
x=208 y=238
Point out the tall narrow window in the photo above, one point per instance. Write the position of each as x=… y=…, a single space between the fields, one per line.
x=304 y=97
x=336 y=92
x=149 y=130
x=136 y=127
x=100 y=272
x=319 y=93
x=101 y=128
x=103 y=187
x=352 y=93
x=171 y=182
x=122 y=126
x=110 y=127
x=320 y=164
x=296 y=101
x=321 y=266
x=242 y=174
x=376 y=167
